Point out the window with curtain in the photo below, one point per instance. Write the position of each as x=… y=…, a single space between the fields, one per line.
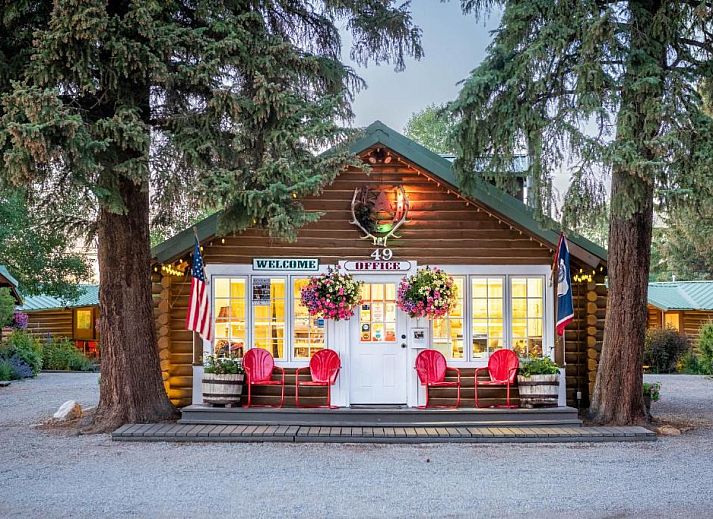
x=449 y=331
x=307 y=330
x=487 y=317
x=527 y=301
x=269 y=304
x=229 y=313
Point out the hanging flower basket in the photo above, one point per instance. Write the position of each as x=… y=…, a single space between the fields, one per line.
x=429 y=293
x=332 y=295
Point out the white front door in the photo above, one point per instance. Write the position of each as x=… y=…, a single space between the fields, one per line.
x=378 y=353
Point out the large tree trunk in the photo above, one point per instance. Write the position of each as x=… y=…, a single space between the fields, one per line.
x=618 y=396
x=618 y=393
x=131 y=388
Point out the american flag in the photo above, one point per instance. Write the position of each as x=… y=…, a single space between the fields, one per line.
x=198 y=318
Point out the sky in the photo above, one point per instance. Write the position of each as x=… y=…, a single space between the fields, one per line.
x=454 y=44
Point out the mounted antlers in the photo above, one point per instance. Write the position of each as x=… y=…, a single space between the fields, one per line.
x=361 y=198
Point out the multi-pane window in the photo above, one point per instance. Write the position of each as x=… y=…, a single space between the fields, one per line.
x=229 y=312
x=307 y=330
x=377 y=313
x=527 y=301
x=448 y=331
x=487 y=315
x=269 y=303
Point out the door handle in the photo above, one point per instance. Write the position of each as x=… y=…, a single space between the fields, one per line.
x=403 y=344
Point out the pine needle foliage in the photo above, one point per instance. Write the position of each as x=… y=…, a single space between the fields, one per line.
x=213 y=104
x=577 y=85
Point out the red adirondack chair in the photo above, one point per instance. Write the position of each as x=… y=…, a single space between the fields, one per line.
x=431 y=369
x=259 y=365
x=323 y=368
x=502 y=368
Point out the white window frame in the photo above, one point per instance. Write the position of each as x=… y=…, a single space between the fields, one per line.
x=511 y=338
x=506 y=272
x=292 y=357
x=213 y=310
x=214 y=271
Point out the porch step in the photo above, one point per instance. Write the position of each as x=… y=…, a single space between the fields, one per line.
x=368 y=417
x=300 y=434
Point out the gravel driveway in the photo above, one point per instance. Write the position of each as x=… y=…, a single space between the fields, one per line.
x=44 y=474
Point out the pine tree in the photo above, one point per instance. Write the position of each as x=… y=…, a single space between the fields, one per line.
x=221 y=104
x=617 y=87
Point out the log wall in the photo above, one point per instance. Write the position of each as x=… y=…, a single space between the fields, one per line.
x=54 y=323
x=442 y=229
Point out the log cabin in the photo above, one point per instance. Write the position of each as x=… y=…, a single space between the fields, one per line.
x=683 y=305
x=50 y=318
x=498 y=253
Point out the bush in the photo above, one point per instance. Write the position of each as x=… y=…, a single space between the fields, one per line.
x=693 y=364
x=63 y=355
x=20 y=368
x=25 y=349
x=705 y=346
x=663 y=348
x=6 y=370
x=539 y=366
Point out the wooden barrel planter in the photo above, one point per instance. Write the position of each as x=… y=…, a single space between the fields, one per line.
x=222 y=389
x=538 y=390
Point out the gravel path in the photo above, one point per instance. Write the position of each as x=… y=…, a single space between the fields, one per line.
x=48 y=475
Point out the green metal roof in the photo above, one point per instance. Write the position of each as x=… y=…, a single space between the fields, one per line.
x=88 y=297
x=508 y=207
x=682 y=295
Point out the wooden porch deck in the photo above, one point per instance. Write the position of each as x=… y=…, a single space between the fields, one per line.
x=305 y=434
x=380 y=417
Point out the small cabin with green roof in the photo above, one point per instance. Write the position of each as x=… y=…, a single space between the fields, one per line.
x=50 y=317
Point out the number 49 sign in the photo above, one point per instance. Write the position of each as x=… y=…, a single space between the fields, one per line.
x=382 y=254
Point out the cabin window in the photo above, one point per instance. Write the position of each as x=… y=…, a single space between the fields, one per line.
x=229 y=312
x=487 y=296
x=527 y=304
x=269 y=302
x=448 y=331
x=307 y=330
x=84 y=324
x=672 y=320
x=377 y=313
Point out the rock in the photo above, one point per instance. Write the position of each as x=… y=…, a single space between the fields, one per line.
x=4 y=383
x=668 y=430
x=68 y=411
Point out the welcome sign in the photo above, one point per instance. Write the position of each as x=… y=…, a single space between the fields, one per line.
x=286 y=264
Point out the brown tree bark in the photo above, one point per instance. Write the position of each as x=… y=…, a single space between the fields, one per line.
x=618 y=393
x=131 y=388
x=618 y=390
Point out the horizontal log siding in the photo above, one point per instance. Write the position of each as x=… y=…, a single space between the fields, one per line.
x=54 y=323
x=441 y=229
x=692 y=321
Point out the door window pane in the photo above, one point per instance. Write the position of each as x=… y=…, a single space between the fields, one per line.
x=527 y=315
x=308 y=330
x=377 y=313
x=269 y=303
x=448 y=331
x=487 y=315
x=229 y=315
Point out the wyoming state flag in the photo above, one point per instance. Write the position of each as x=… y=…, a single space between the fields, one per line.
x=565 y=305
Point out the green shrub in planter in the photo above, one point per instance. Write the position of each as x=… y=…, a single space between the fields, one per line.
x=539 y=366
x=538 y=382
x=23 y=347
x=663 y=347
x=222 y=380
